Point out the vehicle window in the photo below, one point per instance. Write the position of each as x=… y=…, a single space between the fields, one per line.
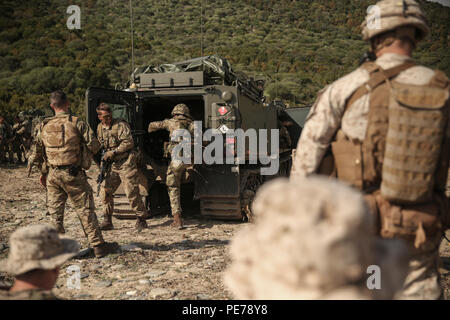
x=120 y=112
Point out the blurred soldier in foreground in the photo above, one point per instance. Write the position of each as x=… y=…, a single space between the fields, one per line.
x=312 y=239
x=117 y=142
x=388 y=127
x=5 y=136
x=35 y=256
x=181 y=119
x=65 y=142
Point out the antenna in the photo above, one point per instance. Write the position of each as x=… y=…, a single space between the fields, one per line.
x=132 y=39
x=201 y=26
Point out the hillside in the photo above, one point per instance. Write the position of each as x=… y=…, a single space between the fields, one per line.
x=298 y=46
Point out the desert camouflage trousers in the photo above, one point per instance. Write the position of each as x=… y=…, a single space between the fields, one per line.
x=423 y=279
x=175 y=173
x=60 y=186
x=125 y=171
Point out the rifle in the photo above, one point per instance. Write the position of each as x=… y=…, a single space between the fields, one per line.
x=105 y=166
x=367 y=56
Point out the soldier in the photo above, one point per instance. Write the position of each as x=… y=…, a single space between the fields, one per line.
x=312 y=240
x=5 y=135
x=60 y=142
x=35 y=257
x=397 y=155
x=20 y=141
x=181 y=119
x=117 y=142
x=6 y=131
x=25 y=130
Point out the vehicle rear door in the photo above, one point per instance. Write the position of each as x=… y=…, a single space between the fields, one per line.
x=123 y=104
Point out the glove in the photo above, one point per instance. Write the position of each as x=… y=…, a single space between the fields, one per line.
x=109 y=155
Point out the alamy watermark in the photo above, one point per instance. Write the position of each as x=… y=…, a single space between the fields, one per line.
x=374 y=280
x=74 y=280
x=228 y=146
x=74 y=20
x=373 y=19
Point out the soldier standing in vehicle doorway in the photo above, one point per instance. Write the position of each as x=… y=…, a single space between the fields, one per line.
x=59 y=147
x=388 y=127
x=181 y=119
x=117 y=142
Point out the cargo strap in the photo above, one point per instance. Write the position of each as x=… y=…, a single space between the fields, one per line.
x=377 y=77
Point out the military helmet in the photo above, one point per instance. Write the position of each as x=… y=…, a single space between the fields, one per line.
x=388 y=15
x=181 y=109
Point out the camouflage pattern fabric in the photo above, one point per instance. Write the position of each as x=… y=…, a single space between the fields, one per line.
x=37 y=294
x=61 y=185
x=311 y=239
x=17 y=144
x=327 y=116
x=117 y=137
x=24 y=132
x=423 y=278
x=124 y=167
x=5 y=136
x=86 y=133
x=176 y=168
x=175 y=172
x=127 y=172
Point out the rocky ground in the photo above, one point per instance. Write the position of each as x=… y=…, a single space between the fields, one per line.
x=158 y=263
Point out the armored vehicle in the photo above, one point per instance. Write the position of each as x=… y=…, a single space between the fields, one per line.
x=218 y=99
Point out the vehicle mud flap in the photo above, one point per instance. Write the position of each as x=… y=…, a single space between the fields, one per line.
x=218 y=188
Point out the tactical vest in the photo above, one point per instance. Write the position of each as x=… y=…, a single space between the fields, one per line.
x=404 y=157
x=61 y=139
x=111 y=141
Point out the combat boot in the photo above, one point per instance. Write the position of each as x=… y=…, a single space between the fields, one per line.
x=141 y=224
x=177 y=221
x=106 y=248
x=107 y=223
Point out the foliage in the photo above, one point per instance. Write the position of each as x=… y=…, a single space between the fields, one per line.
x=298 y=46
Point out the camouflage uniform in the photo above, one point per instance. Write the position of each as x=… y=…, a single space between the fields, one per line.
x=181 y=120
x=330 y=114
x=35 y=248
x=5 y=136
x=124 y=167
x=26 y=134
x=63 y=184
x=21 y=141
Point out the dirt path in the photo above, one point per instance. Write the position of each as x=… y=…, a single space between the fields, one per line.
x=159 y=263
